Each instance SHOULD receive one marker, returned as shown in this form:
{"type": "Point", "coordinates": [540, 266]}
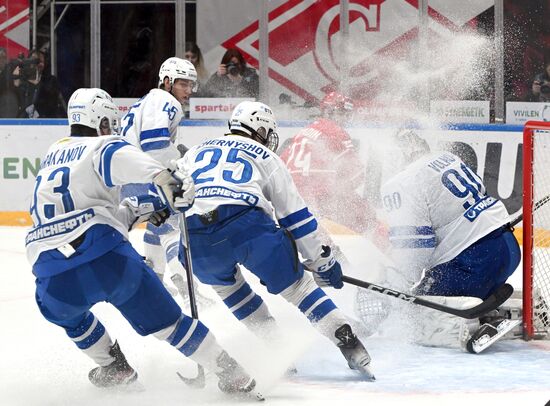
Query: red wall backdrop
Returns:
{"type": "Point", "coordinates": [14, 26]}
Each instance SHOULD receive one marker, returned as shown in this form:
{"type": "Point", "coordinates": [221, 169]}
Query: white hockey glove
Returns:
{"type": "Point", "coordinates": [176, 188]}
{"type": "Point", "coordinates": [147, 208]}
{"type": "Point", "coordinates": [326, 269]}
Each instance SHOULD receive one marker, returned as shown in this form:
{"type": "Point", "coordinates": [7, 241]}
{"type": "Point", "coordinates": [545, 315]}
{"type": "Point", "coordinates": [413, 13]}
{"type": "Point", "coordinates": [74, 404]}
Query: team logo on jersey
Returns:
{"type": "Point", "coordinates": [473, 212]}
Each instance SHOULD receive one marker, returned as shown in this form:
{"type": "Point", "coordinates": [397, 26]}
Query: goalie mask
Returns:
{"type": "Point", "coordinates": [257, 121]}
{"type": "Point", "coordinates": [410, 144]}
{"type": "Point", "coordinates": [94, 108]}
{"type": "Point", "coordinates": [177, 68]}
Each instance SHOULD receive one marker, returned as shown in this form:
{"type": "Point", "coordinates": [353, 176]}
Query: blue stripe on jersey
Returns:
{"type": "Point", "coordinates": [105, 160]}
{"type": "Point", "coordinates": [151, 238]}
{"type": "Point", "coordinates": [321, 310]}
{"type": "Point", "coordinates": [304, 230]}
{"type": "Point", "coordinates": [172, 251]}
{"type": "Point", "coordinates": [237, 296]}
{"type": "Point", "coordinates": [414, 243]}
{"type": "Point", "coordinates": [193, 341]}
{"type": "Point", "coordinates": [411, 230]}
{"type": "Point", "coordinates": [248, 308]}
{"type": "Point", "coordinates": [82, 327]}
{"type": "Point", "coordinates": [82, 337]}
{"type": "Point", "coordinates": [310, 299]}
{"type": "Point", "coordinates": [157, 138]}
{"type": "Point", "coordinates": [154, 133]}
{"type": "Point", "coordinates": [161, 230]}
{"type": "Point", "coordinates": [93, 338]}
{"type": "Point", "coordinates": [295, 218]}
{"type": "Point", "coordinates": [150, 146]}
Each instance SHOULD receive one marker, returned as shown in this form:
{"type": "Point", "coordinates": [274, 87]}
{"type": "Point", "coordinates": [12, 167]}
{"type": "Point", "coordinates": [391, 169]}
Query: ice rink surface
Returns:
{"type": "Point", "coordinates": [41, 366]}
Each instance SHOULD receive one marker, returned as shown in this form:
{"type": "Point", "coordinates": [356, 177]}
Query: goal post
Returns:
{"type": "Point", "coordinates": [536, 229]}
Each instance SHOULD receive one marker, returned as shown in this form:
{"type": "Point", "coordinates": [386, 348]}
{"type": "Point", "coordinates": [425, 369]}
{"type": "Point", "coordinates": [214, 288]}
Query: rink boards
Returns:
{"type": "Point", "coordinates": [493, 151]}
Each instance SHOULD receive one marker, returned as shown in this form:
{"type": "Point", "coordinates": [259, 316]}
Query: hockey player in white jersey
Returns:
{"type": "Point", "coordinates": [151, 124]}
{"type": "Point", "coordinates": [450, 237]}
{"type": "Point", "coordinates": [241, 186]}
{"type": "Point", "coordinates": [80, 253]}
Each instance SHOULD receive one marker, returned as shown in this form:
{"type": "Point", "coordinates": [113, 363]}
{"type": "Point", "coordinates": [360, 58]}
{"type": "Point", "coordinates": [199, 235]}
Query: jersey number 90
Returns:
{"type": "Point", "coordinates": [464, 184]}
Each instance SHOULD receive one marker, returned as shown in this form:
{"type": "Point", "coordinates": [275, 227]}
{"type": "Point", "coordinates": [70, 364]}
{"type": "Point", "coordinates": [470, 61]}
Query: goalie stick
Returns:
{"type": "Point", "coordinates": [199, 381]}
{"type": "Point", "coordinates": [491, 303]}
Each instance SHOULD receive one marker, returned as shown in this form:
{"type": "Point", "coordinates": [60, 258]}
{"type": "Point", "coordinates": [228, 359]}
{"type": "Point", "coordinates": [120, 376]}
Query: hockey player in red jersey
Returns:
{"type": "Point", "coordinates": [327, 170]}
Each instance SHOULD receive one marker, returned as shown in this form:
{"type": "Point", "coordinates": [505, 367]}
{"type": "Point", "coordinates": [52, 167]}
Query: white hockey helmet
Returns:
{"type": "Point", "coordinates": [256, 120]}
{"type": "Point", "coordinates": [176, 68]}
{"type": "Point", "coordinates": [94, 108]}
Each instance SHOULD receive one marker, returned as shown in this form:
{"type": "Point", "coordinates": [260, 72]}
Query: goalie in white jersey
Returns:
{"type": "Point", "coordinates": [241, 186]}
{"type": "Point", "coordinates": [447, 233]}
{"type": "Point", "coordinates": [80, 252]}
{"type": "Point", "coordinates": [151, 124]}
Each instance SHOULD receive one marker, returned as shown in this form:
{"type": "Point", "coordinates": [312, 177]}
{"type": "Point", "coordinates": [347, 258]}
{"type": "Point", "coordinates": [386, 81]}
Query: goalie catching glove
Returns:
{"type": "Point", "coordinates": [176, 189]}
{"type": "Point", "coordinates": [147, 208]}
{"type": "Point", "coordinates": [326, 269]}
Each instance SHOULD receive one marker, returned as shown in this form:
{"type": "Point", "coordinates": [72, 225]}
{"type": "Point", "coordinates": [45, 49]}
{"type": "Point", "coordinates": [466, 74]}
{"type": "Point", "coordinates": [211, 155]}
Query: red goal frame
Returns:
{"type": "Point", "coordinates": [528, 159]}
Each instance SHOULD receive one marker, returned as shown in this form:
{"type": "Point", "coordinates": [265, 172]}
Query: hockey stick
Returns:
{"type": "Point", "coordinates": [199, 381]}
{"type": "Point", "coordinates": [491, 303]}
{"type": "Point", "coordinates": [537, 205]}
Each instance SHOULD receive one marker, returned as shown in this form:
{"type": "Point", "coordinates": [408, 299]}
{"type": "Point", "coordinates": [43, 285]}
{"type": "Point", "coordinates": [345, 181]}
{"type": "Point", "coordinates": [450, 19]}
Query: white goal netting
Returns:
{"type": "Point", "coordinates": [540, 232]}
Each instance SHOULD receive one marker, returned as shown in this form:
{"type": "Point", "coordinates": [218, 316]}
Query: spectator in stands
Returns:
{"type": "Point", "coordinates": [9, 104]}
{"type": "Point", "coordinates": [194, 55]}
{"type": "Point", "coordinates": [540, 89]}
{"type": "Point", "coordinates": [3, 68]}
{"type": "Point", "coordinates": [233, 78]}
{"type": "Point", "coordinates": [38, 90]}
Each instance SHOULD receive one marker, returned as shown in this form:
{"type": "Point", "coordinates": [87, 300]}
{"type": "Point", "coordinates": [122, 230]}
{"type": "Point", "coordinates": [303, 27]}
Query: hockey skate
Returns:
{"type": "Point", "coordinates": [353, 350]}
{"type": "Point", "coordinates": [181, 285]}
{"type": "Point", "coordinates": [233, 379]}
{"type": "Point", "coordinates": [489, 333]}
{"type": "Point", "coordinates": [118, 372]}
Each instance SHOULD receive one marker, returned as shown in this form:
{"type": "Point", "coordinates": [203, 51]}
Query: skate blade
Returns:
{"type": "Point", "coordinates": [257, 395]}
{"type": "Point", "coordinates": [366, 374]}
{"type": "Point", "coordinates": [199, 382]}
{"type": "Point", "coordinates": [480, 346]}
{"type": "Point", "coordinates": [252, 394]}
{"type": "Point", "coordinates": [249, 391]}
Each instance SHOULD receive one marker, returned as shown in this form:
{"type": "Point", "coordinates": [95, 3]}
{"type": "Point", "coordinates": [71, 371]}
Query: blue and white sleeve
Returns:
{"type": "Point", "coordinates": [293, 214]}
{"type": "Point", "coordinates": [119, 163]}
{"type": "Point", "coordinates": [411, 232]}
{"type": "Point", "coordinates": [160, 121]}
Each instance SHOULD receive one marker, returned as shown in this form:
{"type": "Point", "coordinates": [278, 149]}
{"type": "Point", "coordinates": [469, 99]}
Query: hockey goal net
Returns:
{"type": "Point", "coordinates": [536, 229]}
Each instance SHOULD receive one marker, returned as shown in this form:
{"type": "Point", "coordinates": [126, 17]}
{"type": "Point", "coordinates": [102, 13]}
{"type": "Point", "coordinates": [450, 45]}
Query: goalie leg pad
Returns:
{"type": "Point", "coordinates": [433, 328]}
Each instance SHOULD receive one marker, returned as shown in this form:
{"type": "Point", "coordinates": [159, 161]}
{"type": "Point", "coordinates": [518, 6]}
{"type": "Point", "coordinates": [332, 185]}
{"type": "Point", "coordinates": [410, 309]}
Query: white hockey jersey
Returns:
{"type": "Point", "coordinates": [235, 170]}
{"type": "Point", "coordinates": [78, 185]}
{"type": "Point", "coordinates": [152, 123]}
{"type": "Point", "coordinates": [435, 209]}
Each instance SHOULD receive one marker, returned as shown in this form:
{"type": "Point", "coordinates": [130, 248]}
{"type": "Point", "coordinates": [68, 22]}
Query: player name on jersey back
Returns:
{"type": "Point", "coordinates": [247, 147]}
